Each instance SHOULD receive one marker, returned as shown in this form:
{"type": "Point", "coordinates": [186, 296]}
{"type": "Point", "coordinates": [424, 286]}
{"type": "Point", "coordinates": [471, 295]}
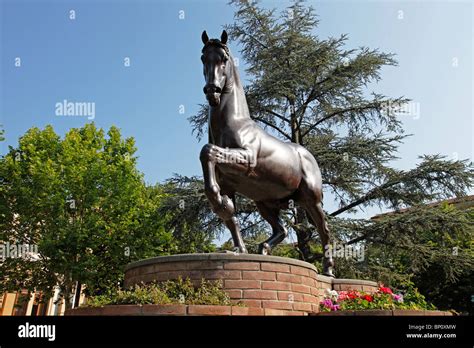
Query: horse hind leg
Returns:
{"type": "Point", "coordinates": [317, 217]}
{"type": "Point", "coordinates": [272, 215]}
{"type": "Point", "coordinates": [310, 197]}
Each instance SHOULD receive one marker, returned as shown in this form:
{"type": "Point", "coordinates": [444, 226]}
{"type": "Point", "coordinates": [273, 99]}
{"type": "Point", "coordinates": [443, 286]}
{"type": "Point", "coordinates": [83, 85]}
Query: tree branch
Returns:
{"type": "Point", "coordinates": [336, 113]}
{"type": "Point", "coordinates": [367, 197]}
{"type": "Point", "coordinates": [272, 126]}
{"type": "Point", "coordinates": [276, 115]}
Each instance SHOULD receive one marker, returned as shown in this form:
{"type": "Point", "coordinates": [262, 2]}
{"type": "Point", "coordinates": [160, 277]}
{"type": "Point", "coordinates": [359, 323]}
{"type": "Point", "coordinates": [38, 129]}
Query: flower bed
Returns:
{"type": "Point", "coordinates": [383, 299]}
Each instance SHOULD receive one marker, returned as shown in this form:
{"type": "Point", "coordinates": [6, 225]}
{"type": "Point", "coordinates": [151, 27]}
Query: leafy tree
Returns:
{"type": "Point", "coordinates": [187, 214]}
{"type": "Point", "coordinates": [82, 201]}
{"type": "Point", "coordinates": [317, 93]}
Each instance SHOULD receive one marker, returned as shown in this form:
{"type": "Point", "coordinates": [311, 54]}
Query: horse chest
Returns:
{"type": "Point", "coordinates": [225, 136]}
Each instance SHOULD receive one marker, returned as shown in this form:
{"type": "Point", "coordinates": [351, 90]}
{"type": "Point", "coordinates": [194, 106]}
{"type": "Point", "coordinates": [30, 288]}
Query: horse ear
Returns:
{"type": "Point", "coordinates": [224, 37]}
{"type": "Point", "coordinates": [204, 37]}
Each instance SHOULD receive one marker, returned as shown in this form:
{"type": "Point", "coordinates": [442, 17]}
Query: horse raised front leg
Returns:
{"type": "Point", "coordinates": [238, 159]}
{"type": "Point", "coordinates": [208, 161]}
{"type": "Point", "coordinates": [222, 205]}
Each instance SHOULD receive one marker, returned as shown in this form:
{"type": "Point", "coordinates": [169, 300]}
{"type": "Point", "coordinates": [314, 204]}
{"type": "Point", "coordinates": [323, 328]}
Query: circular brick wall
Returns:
{"type": "Point", "coordinates": [278, 285]}
{"type": "Point", "coordinates": [173, 310]}
{"type": "Point", "coordinates": [354, 284]}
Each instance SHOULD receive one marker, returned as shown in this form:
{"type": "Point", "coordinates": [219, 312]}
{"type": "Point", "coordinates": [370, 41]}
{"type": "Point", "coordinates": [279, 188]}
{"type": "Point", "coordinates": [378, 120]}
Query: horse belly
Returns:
{"type": "Point", "coordinates": [262, 183]}
{"type": "Point", "coordinates": [257, 190]}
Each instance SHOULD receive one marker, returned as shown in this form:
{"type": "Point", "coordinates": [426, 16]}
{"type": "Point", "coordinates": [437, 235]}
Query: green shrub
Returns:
{"type": "Point", "coordinates": [170, 292]}
{"type": "Point", "coordinates": [211, 294]}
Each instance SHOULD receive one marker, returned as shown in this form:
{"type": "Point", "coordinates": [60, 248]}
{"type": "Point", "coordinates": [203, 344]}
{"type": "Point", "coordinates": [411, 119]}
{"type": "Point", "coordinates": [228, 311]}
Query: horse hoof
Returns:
{"type": "Point", "coordinates": [264, 249]}
{"type": "Point", "coordinates": [329, 274]}
{"type": "Point", "coordinates": [240, 250]}
{"type": "Point", "coordinates": [328, 265]}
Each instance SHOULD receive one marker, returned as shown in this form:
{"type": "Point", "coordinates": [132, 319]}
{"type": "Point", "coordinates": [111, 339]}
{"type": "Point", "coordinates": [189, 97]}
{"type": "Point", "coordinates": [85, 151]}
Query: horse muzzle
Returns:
{"type": "Point", "coordinates": [213, 94]}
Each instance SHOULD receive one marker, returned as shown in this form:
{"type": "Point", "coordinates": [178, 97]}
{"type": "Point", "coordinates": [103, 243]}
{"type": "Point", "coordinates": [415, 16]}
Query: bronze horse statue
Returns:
{"type": "Point", "coordinates": [241, 157]}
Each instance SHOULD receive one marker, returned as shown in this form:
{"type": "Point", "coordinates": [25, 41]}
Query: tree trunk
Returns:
{"type": "Point", "coordinates": [295, 131]}
{"type": "Point", "coordinates": [303, 235]}
{"type": "Point", "coordinates": [67, 296]}
{"type": "Point", "coordinates": [77, 295]}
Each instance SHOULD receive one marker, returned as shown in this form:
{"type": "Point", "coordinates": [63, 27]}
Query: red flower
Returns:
{"type": "Point", "coordinates": [368, 298]}
{"type": "Point", "coordinates": [352, 294]}
{"type": "Point", "coordinates": [385, 290]}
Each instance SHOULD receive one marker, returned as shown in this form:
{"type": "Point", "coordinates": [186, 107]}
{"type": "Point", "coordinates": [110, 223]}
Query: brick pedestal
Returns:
{"type": "Point", "coordinates": [277, 285]}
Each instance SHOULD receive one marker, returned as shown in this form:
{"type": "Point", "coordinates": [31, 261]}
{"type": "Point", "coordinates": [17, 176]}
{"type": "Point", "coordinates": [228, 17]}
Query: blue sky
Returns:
{"type": "Point", "coordinates": [82, 60]}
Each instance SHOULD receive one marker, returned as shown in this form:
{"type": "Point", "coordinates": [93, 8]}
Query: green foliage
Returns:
{"type": "Point", "coordinates": [192, 221]}
{"type": "Point", "coordinates": [252, 242]}
{"type": "Point", "coordinates": [189, 216]}
{"type": "Point", "coordinates": [82, 201]}
{"type": "Point", "coordinates": [413, 299]}
{"type": "Point", "coordinates": [285, 250]}
{"type": "Point", "coordinates": [170, 292]}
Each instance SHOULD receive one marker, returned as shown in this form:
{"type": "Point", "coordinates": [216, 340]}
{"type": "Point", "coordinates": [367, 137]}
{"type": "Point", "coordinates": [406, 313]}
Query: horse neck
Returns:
{"type": "Point", "coordinates": [233, 104]}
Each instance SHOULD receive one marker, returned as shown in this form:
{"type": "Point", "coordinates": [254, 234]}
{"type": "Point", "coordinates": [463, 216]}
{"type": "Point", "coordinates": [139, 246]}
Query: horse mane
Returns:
{"type": "Point", "coordinates": [216, 43]}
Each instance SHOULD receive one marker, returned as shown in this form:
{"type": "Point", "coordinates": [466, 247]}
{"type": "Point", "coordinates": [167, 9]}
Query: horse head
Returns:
{"type": "Point", "coordinates": [216, 67]}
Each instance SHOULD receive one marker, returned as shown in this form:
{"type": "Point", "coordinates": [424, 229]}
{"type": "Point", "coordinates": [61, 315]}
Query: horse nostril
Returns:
{"type": "Point", "coordinates": [212, 89]}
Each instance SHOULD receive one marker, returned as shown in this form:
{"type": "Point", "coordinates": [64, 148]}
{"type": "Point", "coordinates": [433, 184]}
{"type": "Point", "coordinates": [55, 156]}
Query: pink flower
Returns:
{"type": "Point", "coordinates": [342, 296]}
{"type": "Point", "coordinates": [397, 297]}
{"type": "Point", "coordinates": [327, 303]}
{"type": "Point", "coordinates": [330, 305]}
